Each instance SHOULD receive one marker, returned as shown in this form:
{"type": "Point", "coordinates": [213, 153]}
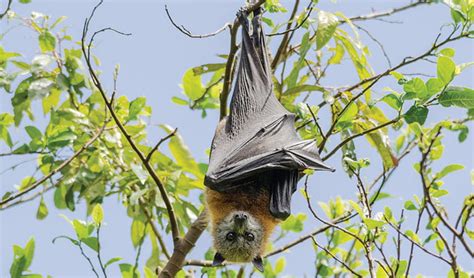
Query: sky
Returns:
{"type": "Point", "coordinates": [152, 63]}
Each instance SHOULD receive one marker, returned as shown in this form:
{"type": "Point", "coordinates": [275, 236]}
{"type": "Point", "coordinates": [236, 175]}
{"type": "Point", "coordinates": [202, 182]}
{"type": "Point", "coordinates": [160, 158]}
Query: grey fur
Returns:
{"type": "Point", "coordinates": [240, 249]}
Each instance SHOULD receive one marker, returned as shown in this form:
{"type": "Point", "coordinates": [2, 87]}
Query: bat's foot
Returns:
{"type": "Point", "coordinates": [242, 12]}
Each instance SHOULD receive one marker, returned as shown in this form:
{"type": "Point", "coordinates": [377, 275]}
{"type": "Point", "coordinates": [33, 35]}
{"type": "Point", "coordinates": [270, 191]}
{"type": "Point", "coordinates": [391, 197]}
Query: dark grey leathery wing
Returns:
{"type": "Point", "coordinates": [257, 143]}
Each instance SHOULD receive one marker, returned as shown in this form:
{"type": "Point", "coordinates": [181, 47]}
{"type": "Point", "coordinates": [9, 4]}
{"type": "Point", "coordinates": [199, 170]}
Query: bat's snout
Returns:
{"type": "Point", "coordinates": [240, 218]}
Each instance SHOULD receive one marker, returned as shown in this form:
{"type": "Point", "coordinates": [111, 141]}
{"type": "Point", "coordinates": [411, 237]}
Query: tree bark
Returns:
{"type": "Point", "coordinates": [184, 246]}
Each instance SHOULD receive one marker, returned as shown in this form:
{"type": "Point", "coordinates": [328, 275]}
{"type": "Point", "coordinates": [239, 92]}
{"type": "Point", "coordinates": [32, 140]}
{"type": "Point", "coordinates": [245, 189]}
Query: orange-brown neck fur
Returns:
{"type": "Point", "coordinates": [252, 200]}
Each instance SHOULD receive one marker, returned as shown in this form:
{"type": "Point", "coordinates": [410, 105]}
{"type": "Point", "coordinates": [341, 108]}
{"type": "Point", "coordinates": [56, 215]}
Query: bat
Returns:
{"type": "Point", "coordinates": [256, 158]}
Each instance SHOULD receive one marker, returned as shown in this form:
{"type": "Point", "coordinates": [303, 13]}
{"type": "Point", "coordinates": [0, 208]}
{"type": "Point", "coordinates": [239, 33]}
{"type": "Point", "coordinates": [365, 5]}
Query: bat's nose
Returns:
{"type": "Point", "coordinates": [240, 217]}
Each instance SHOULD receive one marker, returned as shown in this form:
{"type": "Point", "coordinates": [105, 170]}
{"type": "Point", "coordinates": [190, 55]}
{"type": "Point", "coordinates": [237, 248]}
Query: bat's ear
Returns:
{"type": "Point", "coordinates": [218, 259]}
{"type": "Point", "coordinates": [258, 263]}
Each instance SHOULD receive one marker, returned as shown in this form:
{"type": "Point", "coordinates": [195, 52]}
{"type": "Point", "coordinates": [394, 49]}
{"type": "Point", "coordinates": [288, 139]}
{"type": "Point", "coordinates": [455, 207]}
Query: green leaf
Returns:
{"type": "Point", "coordinates": [137, 232]}
{"type": "Point", "coordinates": [127, 271]}
{"type": "Point", "coordinates": [179, 101]}
{"type": "Point", "coordinates": [29, 252]}
{"type": "Point", "coordinates": [97, 214]}
{"type": "Point", "coordinates": [415, 89]}
{"type": "Point", "coordinates": [69, 198]}
{"type": "Point", "coordinates": [136, 106]}
{"type": "Point", "coordinates": [17, 267]}
{"type": "Point", "coordinates": [349, 114]}
{"type": "Point", "coordinates": [446, 69]}
{"type": "Point", "coordinates": [303, 88]}
{"type": "Point", "coordinates": [42, 211]}
{"type": "Point", "coordinates": [62, 139]}
{"type": "Point", "coordinates": [327, 24]}
{"type": "Point", "coordinates": [373, 224]}
{"type": "Point", "coordinates": [280, 265]}
{"type": "Point", "coordinates": [73, 241]}
{"type": "Point", "coordinates": [413, 236]}
{"type": "Point", "coordinates": [92, 242]}
{"type": "Point", "coordinates": [51, 100]}
{"type": "Point", "coordinates": [449, 52]}
{"type": "Point", "coordinates": [192, 85]}
{"type": "Point", "coordinates": [81, 229]}
{"type": "Point", "coordinates": [182, 154]}
{"type": "Point", "coordinates": [438, 193]}
{"type": "Point", "coordinates": [22, 149]}
{"type": "Point", "coordinates": [338, 54]}
{"type": "Point", "coordinates": [33, 132]}
{"type": "Point", "coordinates": [294, 223]}
{"type": "Point", "coordinates": [292, 78]}
{"type": "Point", "coordinates": [47, 41]}
{"type": "Point", "coordinates": [141, 173]}
{"type": "Point", "coordinates": [402, 266]}
{"type": "Point", "coordinates": [111, 261]}
{"type": "Point", "coordinates": [388, 213]}
{"type": "Point", "coordinates": [439, 246]}
{"type": "Point", "coordinates": [393, 101]}
{"type": "Point", "coordinates": [416, 114]}
{"type": "Point", "coordinates": [208, 68]}
{"type": "Point", "coordinates": [434, 86]}
{"type": "Point", "coordinates": [409, 205]}
{"type": "Point", "coordinates": [60, 197]}
{"type": "Point", "coordinates": [457, 96]}
{"type": "Point", "coordinates": [59, 20]}
{"type": "Point", "coordinates": [449, 169]}
{"type": "Point", "coordinates": [357, 208]}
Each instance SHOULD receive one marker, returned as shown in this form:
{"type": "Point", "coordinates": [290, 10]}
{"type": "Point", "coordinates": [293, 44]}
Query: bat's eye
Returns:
{"type": "Point", "coordinates": [249, 236]}
{"type": "Point", "coordinates": [230, 236]}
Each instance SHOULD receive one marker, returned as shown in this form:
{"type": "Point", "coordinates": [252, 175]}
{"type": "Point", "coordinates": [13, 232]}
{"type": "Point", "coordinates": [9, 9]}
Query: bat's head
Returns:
{"type": "Point", "coordinates": [239, 237]}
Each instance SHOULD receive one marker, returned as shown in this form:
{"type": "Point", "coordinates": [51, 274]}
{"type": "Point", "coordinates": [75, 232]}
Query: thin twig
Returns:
{"type": "Point", "coordinates": [164, 139]}
{"type": "Point", "coordinates": [99, 258]}
{"type": "Point", "coordinates": [185, 31]}
{"type": "Point", "coordinates": [206, 91]}
{"type": "Point", "coordinates": [88, 259]}
{"type": "Point", "coordinates": [382, 48]}
{"type": "Point", "coordinates": [315, 121]}
{"type": "Point", "coordinates": [417, 244]}
{"type": "Point", "coordinates": [286, 37]}
{"type": "Point", "coordinates": [7, 9]}
{"type": "Point", "coordinates": [296, 27]}
{"type": "Point", "coordinates": [164, 249]}
{"type": "Point", "coordinates": [376, 15]}
{"type": "Point", "coordinates": [335, 258]}
{"type": "Point", "coordinates": [350, 138]}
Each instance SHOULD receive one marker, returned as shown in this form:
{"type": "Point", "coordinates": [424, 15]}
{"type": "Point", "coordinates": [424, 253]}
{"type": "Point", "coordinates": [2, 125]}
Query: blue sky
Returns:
{"type": "Point", "coordinates": [153, 61]}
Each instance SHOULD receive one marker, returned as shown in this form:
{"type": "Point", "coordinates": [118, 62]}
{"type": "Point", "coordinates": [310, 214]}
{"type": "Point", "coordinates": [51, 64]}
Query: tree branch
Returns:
{"type": "Point", "coordinates": [7, 9]}
{"type": "Point", "coordinates": [374, 79]}
{"type": "Point", "coordinates": [376, 15]}
{"type": "Point", "coordinates": [228, 73]}
{"type": "Point", "coordinates": [416, 243]}
{"type": "Point", "coordinates": [185, 245]}
{"type": "Point", "coordinates": [336, 258]}
{"type": "Point", "coordinates": [286, 38]}
{"type": "Point", "coordinates": [350, 138]}
{"type": "Point", "coordinates": [185, 31]}
{"type": "Point", "coordinates": [109, 105]}
{"type": "Point", "coordinates": [310, 9]}
{"type": "Point", "coordinates": [155, 148]}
